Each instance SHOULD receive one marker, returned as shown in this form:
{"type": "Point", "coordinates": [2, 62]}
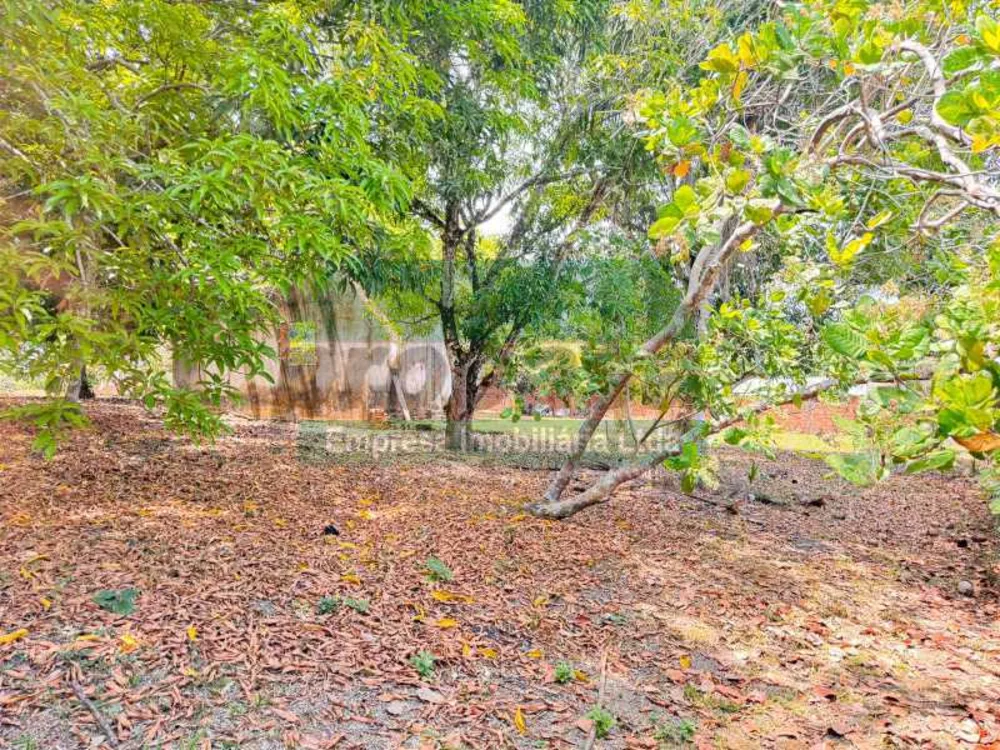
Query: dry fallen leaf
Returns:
{"type": "Point", "coordinates": [14, 636]}
{"type": "Point", "coordinates": [446, 622]}
{"type": "Point", "coordinates": [449, 597]}
{"type": "Point", "coordinates": [519, 723]}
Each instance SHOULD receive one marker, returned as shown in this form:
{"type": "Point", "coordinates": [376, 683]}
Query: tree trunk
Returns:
{"type": "Point", "coordinates": [461, 403]}
{"type": "Point", "coordinates": [704, 273]}
{"type": "Point", "coordinates": [78, 387]}
{"type": "Point", "coordinates": [601, 490]}
{"type": "Point", "coordinates": [458, 433]}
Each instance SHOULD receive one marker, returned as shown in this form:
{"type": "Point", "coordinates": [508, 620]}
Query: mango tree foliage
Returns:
{"type": "Point", "coordinates": [862, 140]}
{"type": "Point", "coordinates": [534, 149]}
{"type": "Point", "coordinates": [504, 76]}
{"type": "Point", "coordinates": [171, 168]}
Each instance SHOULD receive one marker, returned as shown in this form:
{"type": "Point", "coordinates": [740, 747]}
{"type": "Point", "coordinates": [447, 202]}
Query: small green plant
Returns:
{"type": "Point", "coordinates": [423, 662]}
{"type": "Point", "coordinates": [437, 571]}
{"type": "Point", "coordinates": [603, 720]}
{"type": "Point", "coordinates": [358, 605]}
{"type": "Point", "coordinates": [564, 672]}
{"type": "Point", "coordinates": [327, 605]}
{"type": "Point", "coordinates": [24, 742]}
{"type": "Point", "coordinates": [121, 601]}
{"type": "Point", "coordinates": [675, 732]}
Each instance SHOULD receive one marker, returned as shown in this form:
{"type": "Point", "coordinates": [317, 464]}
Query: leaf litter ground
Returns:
{"type": "Point", "coordinates": [823, 616]}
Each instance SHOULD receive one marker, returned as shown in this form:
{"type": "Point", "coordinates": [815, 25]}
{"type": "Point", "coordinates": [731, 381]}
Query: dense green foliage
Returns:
{"type": "Point", "coordinates": [863, 140]}
{"type": "Point", "coordinates": [170, 167]}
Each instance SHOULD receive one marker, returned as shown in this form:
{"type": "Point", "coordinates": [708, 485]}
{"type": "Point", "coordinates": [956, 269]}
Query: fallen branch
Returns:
{"type": "Point", "coordinates": [98, 717]}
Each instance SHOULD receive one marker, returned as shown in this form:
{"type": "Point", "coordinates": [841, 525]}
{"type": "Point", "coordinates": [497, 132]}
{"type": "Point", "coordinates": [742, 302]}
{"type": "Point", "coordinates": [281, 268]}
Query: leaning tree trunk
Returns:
{"type": "Point", "coordinates": [705, 271]}
{"type": "Point", "coordinates": [600, 491]}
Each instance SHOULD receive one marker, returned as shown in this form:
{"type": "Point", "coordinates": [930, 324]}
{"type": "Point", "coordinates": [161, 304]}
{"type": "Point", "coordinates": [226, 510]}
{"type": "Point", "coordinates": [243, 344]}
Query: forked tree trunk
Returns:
{"type": "Point", "coordinates": [705, 272]}
{"type": "Point", "coordinates": [601, 490]}
{"type": "Point", "coordinates": [461, 404]}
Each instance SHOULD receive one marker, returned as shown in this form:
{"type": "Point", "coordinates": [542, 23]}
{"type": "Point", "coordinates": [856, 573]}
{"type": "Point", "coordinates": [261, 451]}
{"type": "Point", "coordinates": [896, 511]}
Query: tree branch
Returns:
{"type": "Point", "coordinates": [165, 88]}
{"type": "Point", "coordinates": [536, 181]}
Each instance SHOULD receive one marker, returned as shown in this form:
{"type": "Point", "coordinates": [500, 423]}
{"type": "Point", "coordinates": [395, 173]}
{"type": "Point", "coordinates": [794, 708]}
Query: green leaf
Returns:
{"type": "Point", "coordinates": [685, 198]}
{"type": "Point", "coordinates": [722, 59]}
{"type": "Point", "coordinates": [844, 340]}
{"type": "Point", "coordinates": [437, 570]}
{"type": "Point", "coordinates": [858, 468]}
{"type": "Point", "coordinates": [955, 108]}
{"type": "Point", "coordinates": [961, 59]}
{"type": "Point", "coordinates": [734, 435]}
{"type": "Point", "coordinates": [936, 461]}
{"type": "Point", "coordinates": [120, 601]}
{"type": "Point", "coordinates": [989, 32]}
{"type": "Point", "coordinates": [737, 180]}
{"type": "Point", "coordinates": [758, 212]}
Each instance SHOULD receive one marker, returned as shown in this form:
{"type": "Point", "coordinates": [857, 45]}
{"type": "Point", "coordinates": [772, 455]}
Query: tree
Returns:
{"type": "Point", "coordinates": [169, 168]}
{"type": "Point", "coordinates": [507, 142]}
{"type": "Point", "coordinates": [533, 96]}
{"type": "Point", "coordinates": [860, 138]}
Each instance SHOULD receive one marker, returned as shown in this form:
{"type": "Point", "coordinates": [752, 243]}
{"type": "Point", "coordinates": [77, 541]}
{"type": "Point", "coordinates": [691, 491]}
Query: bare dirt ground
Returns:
{"type": "Point", "coordinates": [826, 616]}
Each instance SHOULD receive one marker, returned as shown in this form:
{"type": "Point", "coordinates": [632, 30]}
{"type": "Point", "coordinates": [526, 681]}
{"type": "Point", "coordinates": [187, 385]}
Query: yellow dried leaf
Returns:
{"type": "Point", "coordinates": [466, 650]}
{"type": "Point", "coordinates": [517, 518]}
{"type": "Point", "coordinates": [129, 643]}
{"type": "Point", "coordinates": [280, 523]}
{"type": "Point", "coordinates": [14, 636]}
{"type": "Point", "coordinates": [540, 600]}
{"type": "Point", "coordinates": [46, 603]}
{"type": "Point", "coordinates": [681, 169]}
{"type": "Point", "coordinates": [192, 633]}
{"type": "Point", "coordinates": [350, 578]}
{"type": "Point", "coordinates": [685, 661]}
{"type": "Point", "coordinates": [535, 653]}
{"type": "Point", "coordinates": [489, 653]}
{"type": "Point", "coordinates": [366, 515]}
{"type": "Point", "coordinates": [519, 723]}
{"type": "Point", "coordinates": [580, 676]}
{"type": "Point", "coordinates": [446, 622]}
{"type": "Point", "coordinates": [449, 597]}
